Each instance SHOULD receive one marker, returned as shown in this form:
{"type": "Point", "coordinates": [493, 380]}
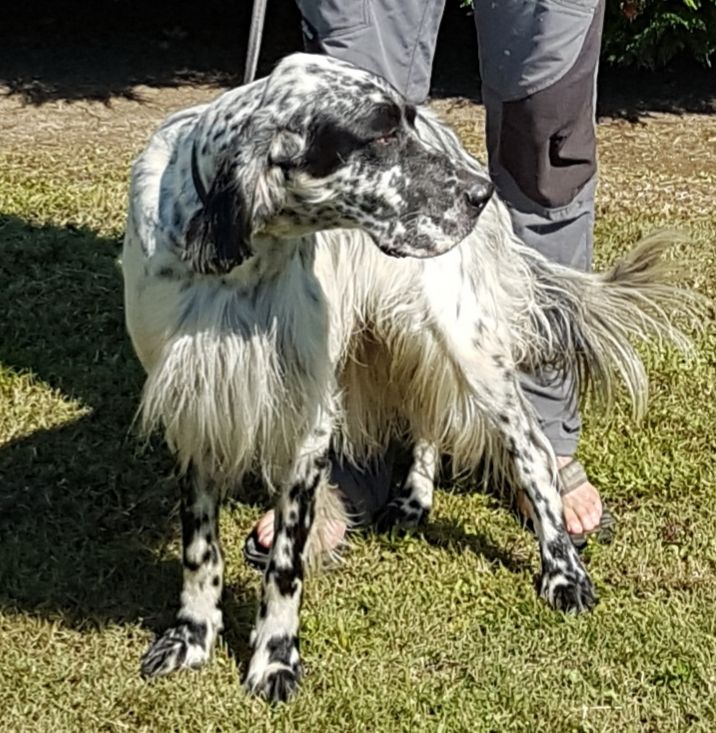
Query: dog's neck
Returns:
{"type": "Point", "coordinates": [273, 257]}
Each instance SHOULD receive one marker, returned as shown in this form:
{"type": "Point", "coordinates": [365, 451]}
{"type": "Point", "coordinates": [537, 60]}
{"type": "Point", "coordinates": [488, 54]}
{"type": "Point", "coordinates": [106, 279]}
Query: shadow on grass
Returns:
{"type": "Point", "coordinates": [452, 536]}
{"type": "Point", "coordinates": [81, 512]}
{"type": "Point", "coordinates": [50, 56]}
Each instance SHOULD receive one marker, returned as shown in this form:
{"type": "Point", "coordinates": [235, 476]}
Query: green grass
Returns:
{"type": "Point", "coordinates": [440, 631]}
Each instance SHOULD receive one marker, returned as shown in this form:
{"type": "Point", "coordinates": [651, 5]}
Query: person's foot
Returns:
{"type": "Point", "coordinates": [334, 532]}
{"type": "Point", "coordinates": [582, 505]}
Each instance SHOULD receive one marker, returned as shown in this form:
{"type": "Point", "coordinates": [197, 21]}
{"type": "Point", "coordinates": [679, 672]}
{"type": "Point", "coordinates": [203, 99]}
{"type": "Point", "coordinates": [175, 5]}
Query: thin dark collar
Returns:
{"type": "Point", "coordinates": [195, 177]}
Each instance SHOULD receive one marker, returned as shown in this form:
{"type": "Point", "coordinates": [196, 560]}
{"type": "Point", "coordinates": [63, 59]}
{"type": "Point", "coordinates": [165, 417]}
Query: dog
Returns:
{"type": "Point", "coordinates": [311, 264]}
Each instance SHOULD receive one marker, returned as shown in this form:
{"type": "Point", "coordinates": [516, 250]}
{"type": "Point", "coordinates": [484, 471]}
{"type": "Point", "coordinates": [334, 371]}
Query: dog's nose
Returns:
{"type": "Point", "coordinates": [479, 194]}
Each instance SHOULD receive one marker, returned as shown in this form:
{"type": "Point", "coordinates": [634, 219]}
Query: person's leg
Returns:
{"type": "Point", "coordinates": [538, 62]}
{"type": "Point", "coordinates": [393, 39]}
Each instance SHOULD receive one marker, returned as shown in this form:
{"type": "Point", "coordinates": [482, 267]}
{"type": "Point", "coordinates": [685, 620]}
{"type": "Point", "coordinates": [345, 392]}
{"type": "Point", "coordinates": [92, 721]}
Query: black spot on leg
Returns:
{"type": "Point", "coordinates": [558, 549]}
{"type": "Point", "coordinates": [280, 647]}
{"type": "Point", "coordinates": [549, 515]}
{"type": "Point", "coordinates": [196, 631]}
{"type": "Point", "coordinates": [190, 564]}
{"type": "Point", "coordinates": [539, 497]}
{"type": "Point", "coordinates": [216, 581]}
{"type": "Point", "coordinates": [188, 529]}
{"type": "Point", "coordinates": [208, 537]}
{"type": "Point", "coordinates": [206, 557]}
{"type": "Point", "coordinates": [287, 580]}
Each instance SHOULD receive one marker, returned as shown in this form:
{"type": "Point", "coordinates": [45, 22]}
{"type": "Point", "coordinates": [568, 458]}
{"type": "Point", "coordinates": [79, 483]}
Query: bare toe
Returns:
{"type": "Point", "coordinates": [264, 529]}
{"type": "Point", "coordinates": [582, 504]}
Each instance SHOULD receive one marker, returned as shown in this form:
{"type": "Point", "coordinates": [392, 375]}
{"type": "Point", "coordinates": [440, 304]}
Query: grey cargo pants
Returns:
{"type": "Point", "coordinates": [538, 62]}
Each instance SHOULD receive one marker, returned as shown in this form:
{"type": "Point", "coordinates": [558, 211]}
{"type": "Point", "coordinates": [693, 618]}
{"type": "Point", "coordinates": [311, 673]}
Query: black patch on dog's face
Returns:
{"type": "Point", "coordinates": [382, 120]}
{"type": "Point", "coordinates": [329, 145]}
{"type": "Point", "coordinates": [365, 166]}
{"type": "Point", "coordinates": [331, 142]}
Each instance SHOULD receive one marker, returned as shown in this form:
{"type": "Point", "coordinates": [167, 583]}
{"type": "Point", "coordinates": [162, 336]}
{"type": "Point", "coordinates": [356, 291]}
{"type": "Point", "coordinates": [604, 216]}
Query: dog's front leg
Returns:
{"type": "Point", "coordinates": [189, 642]}
{"type": "Point", "coordinates": [275, 668]}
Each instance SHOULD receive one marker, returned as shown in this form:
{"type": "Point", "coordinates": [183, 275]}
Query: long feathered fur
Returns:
{"type": "Point", "coordinates": [590, 323]}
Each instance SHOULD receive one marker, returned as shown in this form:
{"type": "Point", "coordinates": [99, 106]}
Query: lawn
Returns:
{"type": "Point", "coordinates": [438, 631]}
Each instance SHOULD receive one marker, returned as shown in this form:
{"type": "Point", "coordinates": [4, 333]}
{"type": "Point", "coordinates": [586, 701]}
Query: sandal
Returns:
{"type": "Point", "coordinates": [255, 554]}
{"type": "Point", "coordinates": [571, 477]}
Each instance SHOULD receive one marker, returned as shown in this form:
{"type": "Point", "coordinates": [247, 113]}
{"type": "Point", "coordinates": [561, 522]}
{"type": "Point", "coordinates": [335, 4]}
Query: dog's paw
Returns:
{"type": "Point", "coordinates": [275, 669]}
{"type": "Point", "coordinates": [276, 684]}
{"type": "Point", "coordinates": [182, 646]}
{"type": "Point", "coordinates": [568, 590]}
{"type": "Point", "coordinates": [403, 512]}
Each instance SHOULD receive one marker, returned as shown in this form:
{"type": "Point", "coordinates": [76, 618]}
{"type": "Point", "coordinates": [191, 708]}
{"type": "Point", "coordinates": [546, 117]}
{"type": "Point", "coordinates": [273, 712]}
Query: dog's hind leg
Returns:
{"type": "Point", "coordinates": [411, 506]}
{"type": "Point", "coordinates": [189, 642]}
{"type": "Point", "coordinates": [275, 668]}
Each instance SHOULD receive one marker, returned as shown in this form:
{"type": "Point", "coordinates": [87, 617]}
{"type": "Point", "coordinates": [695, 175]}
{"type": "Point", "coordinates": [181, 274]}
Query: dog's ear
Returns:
{"type": "Point", "coordinates": [219, 235]}
{"type": "Point", "coordinates": [244, 196]}
{"type": "Point", "coordinates": [269, 173]}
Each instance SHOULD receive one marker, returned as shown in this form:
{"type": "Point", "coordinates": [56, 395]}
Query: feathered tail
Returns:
{"type": "Point", "coordinates": [588, 323]}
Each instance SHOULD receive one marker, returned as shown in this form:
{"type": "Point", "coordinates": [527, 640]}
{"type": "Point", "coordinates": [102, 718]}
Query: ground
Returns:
{"type": "Point", "coordinates": [438, 631]}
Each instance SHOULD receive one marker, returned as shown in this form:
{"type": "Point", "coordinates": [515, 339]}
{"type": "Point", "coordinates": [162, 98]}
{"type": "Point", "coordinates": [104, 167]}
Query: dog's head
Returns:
{"type": "Point", "coordinates": [325, 145]}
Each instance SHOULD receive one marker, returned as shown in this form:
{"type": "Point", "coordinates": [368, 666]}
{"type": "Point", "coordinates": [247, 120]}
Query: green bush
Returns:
{"type": "Point", "coordinates": [653, 33]}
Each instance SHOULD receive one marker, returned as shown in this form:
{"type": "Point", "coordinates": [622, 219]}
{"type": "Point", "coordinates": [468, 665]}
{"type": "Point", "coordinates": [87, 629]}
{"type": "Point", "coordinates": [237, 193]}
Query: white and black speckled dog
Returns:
{"type": "Point", "coordinates": [280, 296]}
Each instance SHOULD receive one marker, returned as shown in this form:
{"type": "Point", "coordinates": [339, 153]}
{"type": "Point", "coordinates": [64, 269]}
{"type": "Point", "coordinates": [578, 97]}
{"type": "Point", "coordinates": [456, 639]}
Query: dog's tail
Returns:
{"type": "Point", "coordinates": [588, 323]}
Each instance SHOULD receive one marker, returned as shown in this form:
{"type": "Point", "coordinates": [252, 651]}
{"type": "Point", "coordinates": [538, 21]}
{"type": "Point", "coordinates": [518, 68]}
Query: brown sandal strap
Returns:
{"type": "Point", "coordinates": [571, 477]}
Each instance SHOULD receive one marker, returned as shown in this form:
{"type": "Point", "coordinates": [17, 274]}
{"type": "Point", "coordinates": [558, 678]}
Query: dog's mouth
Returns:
{"type": "Point", "coordinates": [423, 248]}
{"type": "Point", "coordinates": [428, 237]}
